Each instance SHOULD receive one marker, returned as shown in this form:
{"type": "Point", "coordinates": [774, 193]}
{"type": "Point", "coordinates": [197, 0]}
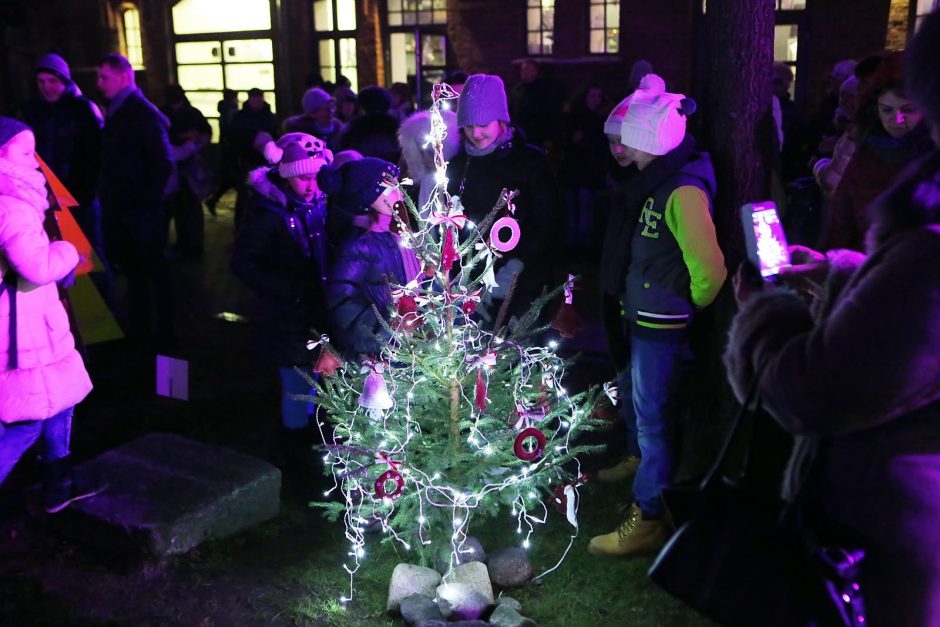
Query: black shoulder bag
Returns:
{"type": "Point", "coordinates": [741, 558]}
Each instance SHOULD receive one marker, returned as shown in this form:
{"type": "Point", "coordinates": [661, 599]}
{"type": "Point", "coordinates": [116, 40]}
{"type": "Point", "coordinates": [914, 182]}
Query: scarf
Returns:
{"type": "Point", "coordinates": [503, 138]}
{"type": "Point", "coordinates": [24, 184]}
{"type": "Point", "coordinates": [625, 211]}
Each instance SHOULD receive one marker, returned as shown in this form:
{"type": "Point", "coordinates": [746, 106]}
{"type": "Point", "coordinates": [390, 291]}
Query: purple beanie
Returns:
{"type": "Point", "coordinates": [355, 186]}
{"type": "Point", "coordinates": [54, 64]}
{"type": "Point", "coordinates": [10, 128]}
{"type": "Point", "coordinates": [482, 100]}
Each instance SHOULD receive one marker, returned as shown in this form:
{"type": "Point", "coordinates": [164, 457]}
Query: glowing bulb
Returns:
{"type": "Point", "coordinates": [360, 552]}
{"type": "Point", "coordinates": [488, 450]}
{"type": "Point", "coordinates": [471, 225]}
{"type": "Point", "coordinates": [421, 520]}
{"type": "Point", "coordinates": [525, 544]}
{"type": "Point", "coordinates": [532, 495]}
{"type": "Point", "coordinates": [553, 344]}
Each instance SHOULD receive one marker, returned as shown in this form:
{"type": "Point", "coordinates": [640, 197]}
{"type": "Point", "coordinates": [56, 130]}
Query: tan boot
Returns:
{"type": "Point", "coordinates": [623, 470]}
{"type": "Point", "coordinates": [634, 536]}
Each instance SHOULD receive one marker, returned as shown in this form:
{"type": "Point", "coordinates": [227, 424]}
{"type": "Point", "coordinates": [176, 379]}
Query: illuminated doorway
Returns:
{"type": "Point", "coordinates": [217, 48]}
{"type": "Point", "coordinates": [417, 44]}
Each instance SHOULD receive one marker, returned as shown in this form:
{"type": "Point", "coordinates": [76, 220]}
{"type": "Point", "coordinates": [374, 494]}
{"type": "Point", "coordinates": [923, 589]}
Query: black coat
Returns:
{"type": "Point", "coordinates": [246, 125]}
{"type": "Point", "coordinates": [373, 135]}
{"type": "Point", "coordinates": [281, 253]}
{"type": "Point", "coordinates": [515, 165]}
{"type": "Point", "coordinates": [366, 265]}
{"type": "Point", "coordinates": [135, 164]}
{"type": "Point", "coordinates": [68, 138]}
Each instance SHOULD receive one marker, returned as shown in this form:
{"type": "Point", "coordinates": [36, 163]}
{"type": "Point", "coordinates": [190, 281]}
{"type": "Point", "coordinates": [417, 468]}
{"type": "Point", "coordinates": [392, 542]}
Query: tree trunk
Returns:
{"type": "Point", "coordinates": [735, 58]}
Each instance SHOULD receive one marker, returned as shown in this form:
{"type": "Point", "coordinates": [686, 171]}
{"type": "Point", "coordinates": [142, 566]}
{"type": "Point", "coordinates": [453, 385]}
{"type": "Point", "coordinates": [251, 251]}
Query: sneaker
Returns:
{"type": "Point", "coordinates": [57, 498]}
{"type": "Point", "coordinates": [623, 470]}
{"type": "Point", "coordinates": [634, 536]}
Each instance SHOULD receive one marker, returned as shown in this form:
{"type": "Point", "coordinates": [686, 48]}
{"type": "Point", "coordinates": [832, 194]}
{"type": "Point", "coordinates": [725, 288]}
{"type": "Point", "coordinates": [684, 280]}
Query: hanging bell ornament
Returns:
{"type": "Point", "coordinates": [567, 321]}
{"type": "Point", "coordinates": [374, 395]}
{"type": "Point", "coordinates": [327, 362]}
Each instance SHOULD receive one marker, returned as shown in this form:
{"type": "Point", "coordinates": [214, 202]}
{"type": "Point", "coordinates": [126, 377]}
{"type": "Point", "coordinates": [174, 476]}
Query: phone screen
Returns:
{"type": "Point", "coordinates": [770, 241]}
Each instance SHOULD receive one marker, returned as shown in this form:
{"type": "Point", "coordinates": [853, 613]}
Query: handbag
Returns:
{"type": "Point", "coordinates": [743, 558]}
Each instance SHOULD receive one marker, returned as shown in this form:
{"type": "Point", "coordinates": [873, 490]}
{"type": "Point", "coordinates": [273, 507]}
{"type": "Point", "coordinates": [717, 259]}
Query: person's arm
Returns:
{"type": "Point", "coordinates": [24, 245]}
{"type": "Point", "coordinates": [353, 319]}
{"type": "Point", "coordinates": [873, 358]}
{"type": "Point", "coordinates": [688, 218]}
{"type": "Point", "coordinates": [154, 151]}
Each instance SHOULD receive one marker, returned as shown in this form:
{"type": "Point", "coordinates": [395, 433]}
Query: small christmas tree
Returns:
{"type": "Point", "coordinates": [451, 422]}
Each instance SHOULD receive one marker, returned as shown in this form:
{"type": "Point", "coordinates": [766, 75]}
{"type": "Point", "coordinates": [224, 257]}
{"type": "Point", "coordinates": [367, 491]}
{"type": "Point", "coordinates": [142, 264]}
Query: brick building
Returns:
{"type": "Point", "coordinates": [206, 45]}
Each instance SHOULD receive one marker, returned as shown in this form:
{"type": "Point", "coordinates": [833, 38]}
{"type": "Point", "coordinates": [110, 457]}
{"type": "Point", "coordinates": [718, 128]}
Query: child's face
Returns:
{"type": "Point", "coordinates": [385, 203]}
{"type": "Point", "coordinates": [618, 151]}
{"type": "Point", "coordinates": [21, 150]}
{"type": "Point", "coordinates": [304, 186]}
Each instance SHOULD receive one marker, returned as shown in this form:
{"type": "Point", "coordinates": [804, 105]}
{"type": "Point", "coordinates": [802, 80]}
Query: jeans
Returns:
{"type": "Point", "coordinates": [17, 437]}
{"type": "Point", "coordinates": [626, 411]}
{"type": "Point", "coordinates": [295, 413]}
{"type": "Point", "coordinates": [657, 358]}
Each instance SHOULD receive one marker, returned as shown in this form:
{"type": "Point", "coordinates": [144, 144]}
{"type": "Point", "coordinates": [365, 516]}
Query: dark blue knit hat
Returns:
{"type": "Point", "coordinates": [355, 185]}
{"type": "Point", "coordinates": [9, 128]}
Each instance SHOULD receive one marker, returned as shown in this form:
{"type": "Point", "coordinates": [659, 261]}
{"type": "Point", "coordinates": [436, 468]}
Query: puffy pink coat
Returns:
{"type": "Point", "coordinates": [49, 376]}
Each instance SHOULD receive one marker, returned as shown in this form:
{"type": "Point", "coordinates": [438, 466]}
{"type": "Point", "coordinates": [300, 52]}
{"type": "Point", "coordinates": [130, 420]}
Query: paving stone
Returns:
{"type": "Point", "coordinates": [167, 494]}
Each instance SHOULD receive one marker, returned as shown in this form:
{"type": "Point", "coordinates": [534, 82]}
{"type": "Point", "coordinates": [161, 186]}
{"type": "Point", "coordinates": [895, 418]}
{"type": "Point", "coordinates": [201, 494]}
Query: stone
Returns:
{"type": "Point", "coordinates": [417, 609]}
{"type": "Point", "coordinates": [505, 616]}
{"type": "Point", "coordinates": [458, 601]}
{"type": "Point", "coordinates": [510, 567]}
{"type": "Point", "coordinates": [470, 551]}
{"type": "Point", "coordinates": [475, 575]}
{"type": "Point", "coordinates": [409, 579]}
{"type": "Point", "coordinates": [509, 602]}
{"type": "Point", "coordinates": [166, 494]}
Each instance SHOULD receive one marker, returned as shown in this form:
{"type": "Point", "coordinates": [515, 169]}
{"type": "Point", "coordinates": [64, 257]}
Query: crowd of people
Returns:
{"type": "Point", "coordinates": [843, 347]}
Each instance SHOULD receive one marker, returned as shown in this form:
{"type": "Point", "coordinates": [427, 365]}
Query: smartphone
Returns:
{"type": "Point", "coordinates": [766, 241]}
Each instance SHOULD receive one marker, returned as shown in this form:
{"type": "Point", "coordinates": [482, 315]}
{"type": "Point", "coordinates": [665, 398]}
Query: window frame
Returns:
{"type": "Point", "coordinates": [606, 4]}
{"type": "Point", "coordinates": [123, 10]}
{"type": "Point", "coordinates": [528, 30]}
{"type": "Point", "coordinates": [334, 36]}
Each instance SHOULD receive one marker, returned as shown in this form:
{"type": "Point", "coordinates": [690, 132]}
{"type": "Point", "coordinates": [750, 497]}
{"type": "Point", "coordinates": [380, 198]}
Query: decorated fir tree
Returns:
{"type": "Point", "coordinates": [451, 423]}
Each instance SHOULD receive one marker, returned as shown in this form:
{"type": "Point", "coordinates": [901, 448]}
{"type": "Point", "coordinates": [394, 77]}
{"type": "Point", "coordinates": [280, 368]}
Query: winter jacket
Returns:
{"type": "Point", "coordinates": [829, 171]}
{"type": "Point", "coordinates": [857, 379]}
{"type": "Point", "coordinates": [68, 138]}
{"type": "Point", "coordinates": [661, 253]}
{"type": "Point", "coordinates": [366, 265]}
{"type": "Point", "coordinates": [246, 125]}
{"type": "Point", "coordinates": [585, 149]}
{"type": "Point", "coordinates": [306, 124]}
{"type": "Point", "coordinates": [281, 252]}
{"type": "Point", "coordinates": [876, 163]}
{"type": "Point", "coordinates": [135, 163]}
{"type": "Point", "coordinates": [515, 166]}
{"type": "Point", "coordinates": [373, 135]}
{"type": "Point", "coordinates": [46, 375]}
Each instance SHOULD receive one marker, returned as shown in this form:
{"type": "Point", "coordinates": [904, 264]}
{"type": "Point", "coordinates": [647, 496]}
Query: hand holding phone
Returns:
{"type": "Point", "coordinates": [766, 242]}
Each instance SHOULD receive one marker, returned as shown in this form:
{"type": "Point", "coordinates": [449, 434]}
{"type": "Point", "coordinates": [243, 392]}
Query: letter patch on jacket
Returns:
{"type": "Point", "coordinates": [650, 220]}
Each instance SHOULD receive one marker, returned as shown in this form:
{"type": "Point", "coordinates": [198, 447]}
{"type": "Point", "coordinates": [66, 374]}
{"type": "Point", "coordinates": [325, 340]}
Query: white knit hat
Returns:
{"type": "Point", "coordinates": [615, 119]}
{"type": "Point", "coordinates": [655, 119]}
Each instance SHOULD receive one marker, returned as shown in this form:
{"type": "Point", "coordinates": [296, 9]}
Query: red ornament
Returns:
{"type": "Point", "coordinates": [408, 310]}
{"type": "Point", "coordinates": [567, 321]}
{"type": "Point", "coordinates": [480, 400]}
{"type": "Point", "coordinates": [449, 251]}
{"type": "Point", "coordinates": [389, 475]}
{"type": "Point", "coordinates": [560, 499]}
{"type": "Point", "coordinates": [327, 361]}
{"type": "Point", "coordinates": [468, 307]}
{"type": "Point", "coordinates": [519, 447]}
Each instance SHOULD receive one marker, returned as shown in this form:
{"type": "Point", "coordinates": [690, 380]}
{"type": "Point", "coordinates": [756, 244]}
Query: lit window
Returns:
{"type": "Point", "coordinates": [219, 16]}
{"type": "Point", "coordinates": [923, 8]}
{"type": "Point", "coordinates": [133, 48]}
{"type": "Point", "coordinates": [605, 26]}
{"type": "Point", "coordinates": [786, 48]}
{"type": "Point", "coordinates": [791, 5]}
{"type": "Point", "coordinates": [411, 12]}
{"type": "Point", "coordinates": [336, 47]}
{"type": "Point", "coordinates": [540, 21]}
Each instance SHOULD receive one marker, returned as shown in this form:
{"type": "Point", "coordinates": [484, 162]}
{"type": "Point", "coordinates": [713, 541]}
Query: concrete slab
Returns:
{"type": "Point", "coordinates": [167, 494]}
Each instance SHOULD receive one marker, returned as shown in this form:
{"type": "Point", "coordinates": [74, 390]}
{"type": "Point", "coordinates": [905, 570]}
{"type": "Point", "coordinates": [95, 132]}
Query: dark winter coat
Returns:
{"type": "Point", "coordinates": [585, 149]}
{"type": "Point", "coordinates": [857, 380]}
{"type": "Point", "coordinates": [135, 164]}
{"type": "Point", "coordinates": [68, 138]}
{"type": "Point", "coordinates": [515, 165]}
{"type": "Point", "coordinates": [373, 135]}
{"type": "Point", "coordinates": [536, 108]}
{"type": "Point", "coordinates": [366, 265]}
{"type": "Point", "coordinates": [660, 251]}
{"type": "Point", "coordinates": [281, 252]}
{"type": "Point", "coordinates": [246, 125]}
{"type": "Point", "coordinates": [876, 163]}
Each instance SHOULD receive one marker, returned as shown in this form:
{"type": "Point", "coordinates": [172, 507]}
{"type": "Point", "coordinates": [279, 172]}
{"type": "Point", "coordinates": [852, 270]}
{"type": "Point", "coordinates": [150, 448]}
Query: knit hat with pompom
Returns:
{"type": "Point", "coordinates": [654, 120]}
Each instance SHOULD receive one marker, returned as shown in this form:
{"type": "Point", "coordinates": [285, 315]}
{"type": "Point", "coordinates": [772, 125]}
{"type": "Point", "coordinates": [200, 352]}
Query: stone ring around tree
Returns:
{"type": "Point", "coordinates": [380, 484]}
{"type": "Point", "coordinates": [504, 246]}
{"type": "Point", "coordinates": [522, 451]}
